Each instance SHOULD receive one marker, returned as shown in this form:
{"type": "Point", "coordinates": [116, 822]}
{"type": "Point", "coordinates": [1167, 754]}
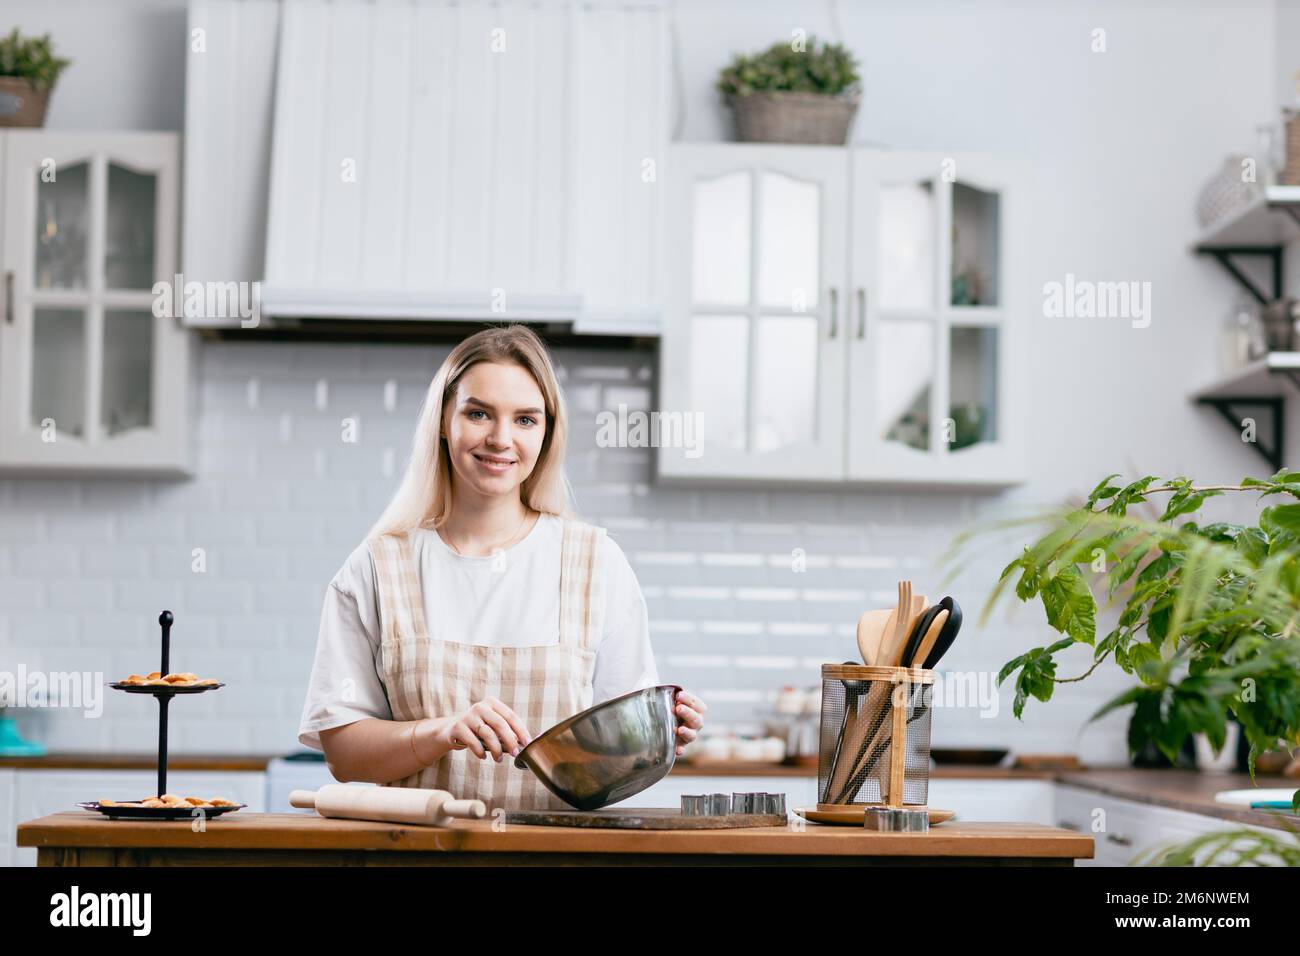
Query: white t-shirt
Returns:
{"type": "Point", "coordinates": [468, 600]}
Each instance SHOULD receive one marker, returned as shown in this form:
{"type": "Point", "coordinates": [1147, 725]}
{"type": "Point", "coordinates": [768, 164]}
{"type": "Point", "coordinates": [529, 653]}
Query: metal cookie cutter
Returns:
{"type": "Point", "coordinates": [774, 803]}
{"type": "Point", "coordinates": [718, 804]}
{"type": "Point", "coordinates": [694, 805]}
{"type": "Point", "coordinates": [896, 819]}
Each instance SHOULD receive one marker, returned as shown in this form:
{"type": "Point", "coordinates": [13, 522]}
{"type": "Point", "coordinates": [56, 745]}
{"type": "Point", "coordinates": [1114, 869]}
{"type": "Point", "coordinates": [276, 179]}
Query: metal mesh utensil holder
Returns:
{"type": "Point", "coordinates": [875, 736]}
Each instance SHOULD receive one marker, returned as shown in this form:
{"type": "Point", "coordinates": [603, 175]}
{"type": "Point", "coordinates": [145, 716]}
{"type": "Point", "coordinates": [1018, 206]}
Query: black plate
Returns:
{"type": "Point", "coordinates": [156, 813]}
{"type": "Point", "coordinates": [160, 689]}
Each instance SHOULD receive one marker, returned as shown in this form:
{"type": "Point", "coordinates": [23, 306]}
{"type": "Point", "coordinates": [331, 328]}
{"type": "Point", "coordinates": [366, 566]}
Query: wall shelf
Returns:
{"type": "Point", "coordinates": [1259, 385]}
{"type": "Point", "coordinates": [1260, 229]}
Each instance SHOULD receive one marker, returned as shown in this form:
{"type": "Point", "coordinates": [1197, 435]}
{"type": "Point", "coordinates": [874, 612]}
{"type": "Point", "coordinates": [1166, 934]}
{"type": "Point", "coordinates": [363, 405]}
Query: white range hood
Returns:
{"type": "Point", "coordinates": [472, 160]}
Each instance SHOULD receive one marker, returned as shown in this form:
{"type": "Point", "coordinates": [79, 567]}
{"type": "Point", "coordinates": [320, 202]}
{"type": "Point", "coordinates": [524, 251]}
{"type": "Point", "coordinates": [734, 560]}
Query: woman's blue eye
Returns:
{"type": "Point", "coordinates": [526, 418]}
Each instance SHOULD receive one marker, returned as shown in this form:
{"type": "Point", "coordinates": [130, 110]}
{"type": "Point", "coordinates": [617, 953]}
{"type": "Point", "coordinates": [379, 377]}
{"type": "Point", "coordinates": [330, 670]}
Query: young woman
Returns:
{"type": "Point", "coordinates": [479, 611]}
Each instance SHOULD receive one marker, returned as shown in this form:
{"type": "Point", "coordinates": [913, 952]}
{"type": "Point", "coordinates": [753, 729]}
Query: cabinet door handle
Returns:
{"type": "Point", "coordinates": [835, 311]}
{"type": "Point", "coordinates": [9, 297]}
{"type": "Point", "coordinates": [862, 312]}
{"type": "Point", "coordinates": [1120, 840]}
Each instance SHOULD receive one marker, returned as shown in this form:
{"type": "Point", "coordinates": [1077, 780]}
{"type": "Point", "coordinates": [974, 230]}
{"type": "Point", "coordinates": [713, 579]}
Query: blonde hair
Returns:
{"type": "Point", "coordinates": [424, 496]}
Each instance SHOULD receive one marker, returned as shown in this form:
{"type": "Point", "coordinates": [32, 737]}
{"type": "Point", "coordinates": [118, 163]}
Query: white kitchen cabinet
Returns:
{"type": "Point", "coordinates": [839, 314]}
{"type": "Point", "coordinates": [753, 348]}
{"type": "Point", "coordinates": [8, 824]}
{"type": "Point", "coordinates": [936, 360]}
{"type": "Point", "coordinates": [91, 380]}
{"type": "Point", "coordinates": [993, 801]}
{"type": "Point", "coordinates": [39, 793]}
{"type": "Point", "coordinates": [1124, 829]}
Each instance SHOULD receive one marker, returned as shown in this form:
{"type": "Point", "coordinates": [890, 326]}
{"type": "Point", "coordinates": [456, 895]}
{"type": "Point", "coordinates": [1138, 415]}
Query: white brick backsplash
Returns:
{"type": "Point", "coordinates": [80, 595]}
{"type": "Point", "coordinates": [289, 529]}
{"type": "Point", "coordinates": [264, 630]}
{"type": "Point", "coordinates": [160, 528]}
{"type": "Point", "coordinates": [206, 595]}
{"type": "Point", "coordinates": [17, 526]}
{"type": "Point", "coordinates": [64, 525]}
{"type": "Point", "coordinates": [279, 502]}
{"type": "Point", "coordinates": [418, 363]}
{"type": "Point", "coordinates": [35, 632]}
{"type": "Point", "coordinates": [114, 560]}
{"type": "Point", "coordinates": [287, 597]}
{"type": "Point", "coordinates": [45, 560]}
{"type": "Point", "coordinates": [115, 497]}
{"type": "Point", "coordinates": [20, 595]}
{"type": "Point", "coordinates": [53, 497]}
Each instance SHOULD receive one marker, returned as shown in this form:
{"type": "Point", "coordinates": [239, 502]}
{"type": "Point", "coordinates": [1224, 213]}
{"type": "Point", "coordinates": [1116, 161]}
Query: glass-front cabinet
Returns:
{"type": "Point", "coordinates": [92, 376]}
{"type": "Point", "coordinates": [934, 358]}
{"type": "Point", "coordinates": [753, 374]}
{"type": "Point", "coordinates": [844, 314]}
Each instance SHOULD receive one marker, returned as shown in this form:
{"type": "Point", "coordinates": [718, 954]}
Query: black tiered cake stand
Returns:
{"type": "Point", "coordinates": [164, 694]}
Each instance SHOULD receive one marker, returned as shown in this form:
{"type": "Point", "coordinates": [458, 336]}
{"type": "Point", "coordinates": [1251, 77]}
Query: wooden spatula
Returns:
{"type": "Point", "coordinates": [927, 643]}
{"type": "Point", "coordinates": [871, 630]}
{"type": "Point", "coordinates": [897, 630]}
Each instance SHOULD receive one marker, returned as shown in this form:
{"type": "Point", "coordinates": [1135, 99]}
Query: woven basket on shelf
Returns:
{"type": "Point", "coordinates": [1290, 175]}
{"type": "Point", "coordinates": [773, 117]}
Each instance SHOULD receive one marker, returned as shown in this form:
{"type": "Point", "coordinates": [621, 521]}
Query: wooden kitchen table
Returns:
{"type": "Point", "coordinates": [82, 838]}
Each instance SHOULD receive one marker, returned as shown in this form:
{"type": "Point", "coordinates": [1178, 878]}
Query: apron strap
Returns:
{"type": "Point", "coordinates": [581, 586]}
{"type": "Point", "coordinates": [401, 600]}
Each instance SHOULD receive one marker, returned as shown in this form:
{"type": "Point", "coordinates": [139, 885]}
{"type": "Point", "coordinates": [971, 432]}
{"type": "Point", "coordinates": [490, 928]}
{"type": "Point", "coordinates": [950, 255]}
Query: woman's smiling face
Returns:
{"type": "Point", "coordinates": [494, 427]}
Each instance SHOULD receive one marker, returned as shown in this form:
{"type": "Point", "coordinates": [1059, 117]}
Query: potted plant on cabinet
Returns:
{"type": "Point", "coordinates": [797, 92]}
{"type": "Point", "coordinates": [1209, 623]}
{"type": "Point", "coordinates": [28, 71]}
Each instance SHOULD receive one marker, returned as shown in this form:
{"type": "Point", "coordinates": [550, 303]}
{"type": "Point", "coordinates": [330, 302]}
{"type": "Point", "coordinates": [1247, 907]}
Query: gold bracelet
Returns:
{"type": "Point", "coordinates": [421, 760]}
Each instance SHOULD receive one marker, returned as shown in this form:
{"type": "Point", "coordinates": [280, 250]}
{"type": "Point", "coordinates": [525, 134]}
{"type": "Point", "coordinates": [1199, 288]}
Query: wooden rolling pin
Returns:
{"type": "Point", "coordinates": [387, 804]}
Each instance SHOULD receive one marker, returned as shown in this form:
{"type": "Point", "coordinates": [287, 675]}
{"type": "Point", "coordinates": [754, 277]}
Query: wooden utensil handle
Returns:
{"type": "Point", "coordinates": [887, 731]}
{"type": "Point", "coordinates": [876, 750]}
{"type": "Point", "coordinates": [467, 809]}
{"type": "Point", "coordinates": [862, 746]}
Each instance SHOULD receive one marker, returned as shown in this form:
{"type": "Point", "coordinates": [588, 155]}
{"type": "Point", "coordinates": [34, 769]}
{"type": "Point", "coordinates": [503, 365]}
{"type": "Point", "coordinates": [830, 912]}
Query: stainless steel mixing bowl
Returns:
{"type": "Point", "coordinates": [610, 751]}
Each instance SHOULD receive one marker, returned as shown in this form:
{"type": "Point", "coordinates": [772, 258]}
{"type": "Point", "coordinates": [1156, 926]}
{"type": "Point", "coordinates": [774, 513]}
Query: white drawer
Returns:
{"type": "Point", "coordinates": [1129, 828]}
{"type": "Point", "coordinates": [994, 801]}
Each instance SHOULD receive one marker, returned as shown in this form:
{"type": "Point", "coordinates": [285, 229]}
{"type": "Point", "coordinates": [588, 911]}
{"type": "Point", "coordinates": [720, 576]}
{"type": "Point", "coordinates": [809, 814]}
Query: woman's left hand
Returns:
{"type": "Point", "coordinates": [690, 718]}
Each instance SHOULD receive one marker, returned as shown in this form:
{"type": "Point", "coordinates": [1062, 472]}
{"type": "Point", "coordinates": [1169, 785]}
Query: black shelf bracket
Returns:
{"type": "Point", "coordinates": [1230, 407]}
{"type": "Point", "coordinates": [1223, 256]}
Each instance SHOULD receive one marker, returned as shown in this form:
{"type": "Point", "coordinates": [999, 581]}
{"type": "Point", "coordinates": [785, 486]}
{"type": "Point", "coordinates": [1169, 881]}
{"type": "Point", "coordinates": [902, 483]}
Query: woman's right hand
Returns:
{"type": "Point", "coordinates": [488, 726]}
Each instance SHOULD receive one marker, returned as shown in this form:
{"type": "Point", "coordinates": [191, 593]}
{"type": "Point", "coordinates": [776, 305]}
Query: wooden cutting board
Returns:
{"type": "Point", "coordinates": [642, 818]}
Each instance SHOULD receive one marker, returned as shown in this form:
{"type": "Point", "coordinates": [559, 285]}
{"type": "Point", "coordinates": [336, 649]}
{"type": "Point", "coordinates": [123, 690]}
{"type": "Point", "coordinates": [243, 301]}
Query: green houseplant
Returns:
{"type": "Point", "coordinates": [28, 71]}
{"type": "Point", "coordinates": [796, 92]}
{"type": "Point", "coordinates": [1208, 617]}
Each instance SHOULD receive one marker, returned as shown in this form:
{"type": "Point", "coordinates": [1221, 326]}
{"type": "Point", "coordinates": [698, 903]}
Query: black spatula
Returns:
{"type": "Point", "coordinates": [947, 635]}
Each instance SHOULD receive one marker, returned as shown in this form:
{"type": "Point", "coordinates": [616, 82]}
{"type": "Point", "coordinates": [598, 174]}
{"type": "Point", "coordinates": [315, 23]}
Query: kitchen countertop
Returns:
{"type": "Point", "coordinates": [81, 838]}
{"type": "Point", "coordinates": [85, 760]}
{"type": "Point", "coordinates": [1187, 790]}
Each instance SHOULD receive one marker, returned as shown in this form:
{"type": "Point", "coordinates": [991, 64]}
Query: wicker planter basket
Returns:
{"type": "Point", "coordinates": [793, 117]}
{"type": "Point", "coordinates": [21, 104]}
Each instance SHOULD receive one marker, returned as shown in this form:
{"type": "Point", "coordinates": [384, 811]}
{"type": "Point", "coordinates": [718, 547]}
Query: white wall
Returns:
{"type": "Point", "coordinates": [128, 69]}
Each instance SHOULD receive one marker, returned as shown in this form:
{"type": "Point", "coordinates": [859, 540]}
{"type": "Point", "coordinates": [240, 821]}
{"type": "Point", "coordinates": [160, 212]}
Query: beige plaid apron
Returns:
{"type": "Point", "coordinates": [543, 685]}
